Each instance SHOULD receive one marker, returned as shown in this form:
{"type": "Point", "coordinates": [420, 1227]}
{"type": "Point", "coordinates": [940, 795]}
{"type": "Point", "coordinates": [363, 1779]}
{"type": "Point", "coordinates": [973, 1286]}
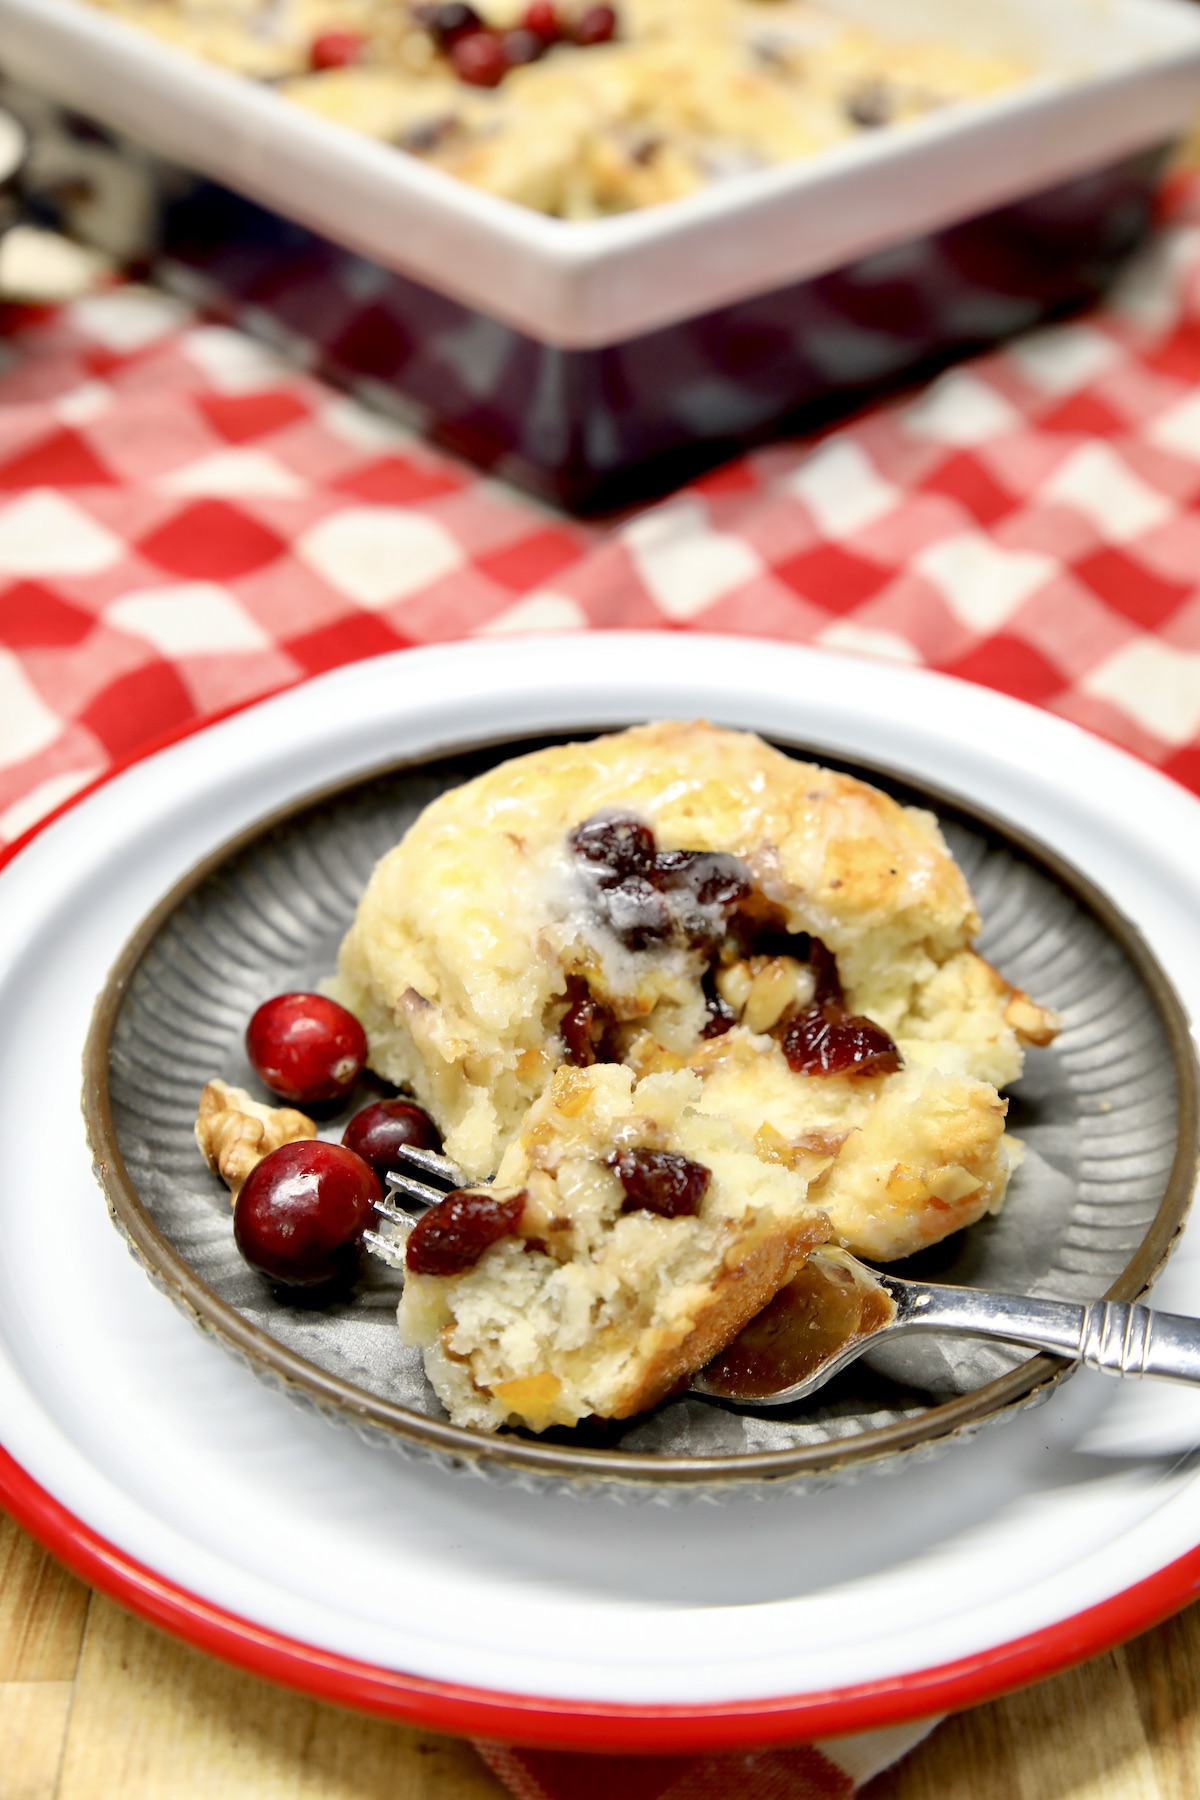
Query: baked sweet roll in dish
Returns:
{"type": "Point", "coordinates": [577, 109]}
{"type": "Point", "coordinates": [687, 901]}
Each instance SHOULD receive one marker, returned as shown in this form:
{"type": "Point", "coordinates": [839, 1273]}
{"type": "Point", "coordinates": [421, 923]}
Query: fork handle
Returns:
{"type": "Point", "coordinates": [1114, 1336]}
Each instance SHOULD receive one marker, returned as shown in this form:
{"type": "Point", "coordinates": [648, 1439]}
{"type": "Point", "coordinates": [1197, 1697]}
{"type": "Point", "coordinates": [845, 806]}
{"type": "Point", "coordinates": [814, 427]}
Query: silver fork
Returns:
{"type": "Point", "coordinates": [1116, 1337]}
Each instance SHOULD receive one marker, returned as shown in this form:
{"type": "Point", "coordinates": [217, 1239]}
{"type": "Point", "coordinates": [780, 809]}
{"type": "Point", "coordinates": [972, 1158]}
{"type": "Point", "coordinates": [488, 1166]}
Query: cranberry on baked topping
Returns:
{"type": "Point", "coordinates": [336, 49]}
{"type": "Point", "coordinates": [541, 17]}
{"type": "Point", "coordinates": [453, 1235]}
{"type": "Point", "coordinates": [478, 58]}
{"type": "Point", "coordinates": [596, 25]}
{"type": "Point", "coordinates": [522, 46]}
{"type": "Point", "coordinates": [452, 19]}
{"type": "Point", "coordinates": [660, 1181]}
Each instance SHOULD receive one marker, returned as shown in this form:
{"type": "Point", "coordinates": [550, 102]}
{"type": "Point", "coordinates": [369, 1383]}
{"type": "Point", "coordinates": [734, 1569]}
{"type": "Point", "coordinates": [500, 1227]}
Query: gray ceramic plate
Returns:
{"type": "Point", "coordinates": [1109, 1117]}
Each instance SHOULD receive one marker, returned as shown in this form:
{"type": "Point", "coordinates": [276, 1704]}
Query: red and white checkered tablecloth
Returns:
{"type": "Point", "coordinates": [186, 523]}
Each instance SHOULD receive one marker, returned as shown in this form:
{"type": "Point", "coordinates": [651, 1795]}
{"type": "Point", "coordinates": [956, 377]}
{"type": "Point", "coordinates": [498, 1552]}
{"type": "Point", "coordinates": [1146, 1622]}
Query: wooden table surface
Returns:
{"type": "Point", "coordinates": [94, 1705]}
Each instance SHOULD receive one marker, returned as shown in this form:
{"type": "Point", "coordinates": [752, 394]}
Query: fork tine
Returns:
{"type": "Point", "coordinates": [432, 1162]}
{"type": "Point", "coordinates": [412, 1189]}
{"type": "Point", "coordinates": [389, 1250]}
{"type": "Point", "coordinates": [399, 1215]}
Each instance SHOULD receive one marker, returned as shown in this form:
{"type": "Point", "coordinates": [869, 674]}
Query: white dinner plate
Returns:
{"type": "Point", "coordinates": [167, 1474]}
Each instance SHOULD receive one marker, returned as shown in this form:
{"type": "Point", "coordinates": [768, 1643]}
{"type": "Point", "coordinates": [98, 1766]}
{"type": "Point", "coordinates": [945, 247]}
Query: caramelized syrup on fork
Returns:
{"type": "Point", "coordinates": [822, 1311]}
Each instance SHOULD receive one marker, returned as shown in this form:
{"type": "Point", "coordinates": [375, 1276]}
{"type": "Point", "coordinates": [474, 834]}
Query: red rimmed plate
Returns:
{"type": "Point", "coordinates": [166, 1474]}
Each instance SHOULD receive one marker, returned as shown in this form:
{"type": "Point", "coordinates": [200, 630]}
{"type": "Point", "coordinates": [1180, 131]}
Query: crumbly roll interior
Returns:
{"type": "Point", "coordinates": [592, 1309]}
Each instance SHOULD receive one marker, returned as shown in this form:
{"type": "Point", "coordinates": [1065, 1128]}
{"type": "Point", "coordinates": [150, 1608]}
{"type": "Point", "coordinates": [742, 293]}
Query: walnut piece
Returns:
{"type": "Point", "coordinates": [235, 1132]}
{"type": "Point", "coordinates": [1032, 1023]}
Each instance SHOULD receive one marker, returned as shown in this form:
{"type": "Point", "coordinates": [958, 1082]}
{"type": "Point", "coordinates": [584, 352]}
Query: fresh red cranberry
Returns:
{"type": "Point", "coordinates": [823, 1040]}
{"type": "Point", "coordinates": [302, 1211]}
{"type": "Point", "coordinates": [660, 1181]}
{"type": "Point", "coordinates": [595, 26]}
{"type": "Point", "coordinates": [479, 59]}
{"type": "Point", "coordinates": [453, 1235]}
{"type": "Point", "coordinates": [541, 17]}
{"type": "Point", "coordinates": [336, 49]}
{"type": "Point", "coordinates": [377, 1132]}
{"type": "Point", "coordinates": [522, 46]}
{"type": "Point", "coordinates": [453, 19]}
{"type": "Point", "coordinates": [306, 1047]}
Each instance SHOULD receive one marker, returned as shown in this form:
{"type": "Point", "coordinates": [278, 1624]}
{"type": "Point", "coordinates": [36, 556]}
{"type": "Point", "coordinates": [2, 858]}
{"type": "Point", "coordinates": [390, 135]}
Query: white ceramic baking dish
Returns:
{"type": "Point", "coordinates": [1112, 79]}
{"type": "Point", "coordinates": [1111, 76]}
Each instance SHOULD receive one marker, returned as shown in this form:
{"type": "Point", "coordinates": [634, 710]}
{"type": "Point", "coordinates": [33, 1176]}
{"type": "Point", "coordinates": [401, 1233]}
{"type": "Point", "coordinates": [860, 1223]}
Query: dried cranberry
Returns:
{"type": "Point", "coordinates": [453, 19]}
{"type": "Point", "coordinates": [522, 46]}
{"type": "Point", "coordinates": [775, 940]}
{"type": "Point", "coordinates": [595, 26]}
{"type": "Point", "coordinates": [336, 49]}
{"type": "Point", "coordinates": [377, 1132]}
{"type": "Point", "coordinates": [742, 933]}
{"type": "Point", "coordinates": [620, 854]}
{"type": "Point", "coordinates": [647, 895]}
{"type": "Point", "coordinates": [541, 17]}
{"type": "Point", "coordinates": [660, 1181]}
{"type": "Point", "coordinates": [637, 913]}
{"type": "Point", "coordinates": [713, 877]}
{"type": "Point", "coordinates": [704, 886]}
{"type": "Point", "coordinates": [822, 1040]}
{"type": "Point", "coordinates": [306, 1047]}
{"type": "Point", "coordinates": [615, 847]}
{"type": "Point", "coordinates": [302, 1211]}
{"type": "Point", "coordinates": [478, 58]}
{"type": "Point", "coordinates": [454, 1234]}
{"type": "Point", "coordinates": [584, 1026]}
{"type": "Point", "coordinates": [721, 1016]}
{"type": "Point", "coordinates": [823, 964]}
